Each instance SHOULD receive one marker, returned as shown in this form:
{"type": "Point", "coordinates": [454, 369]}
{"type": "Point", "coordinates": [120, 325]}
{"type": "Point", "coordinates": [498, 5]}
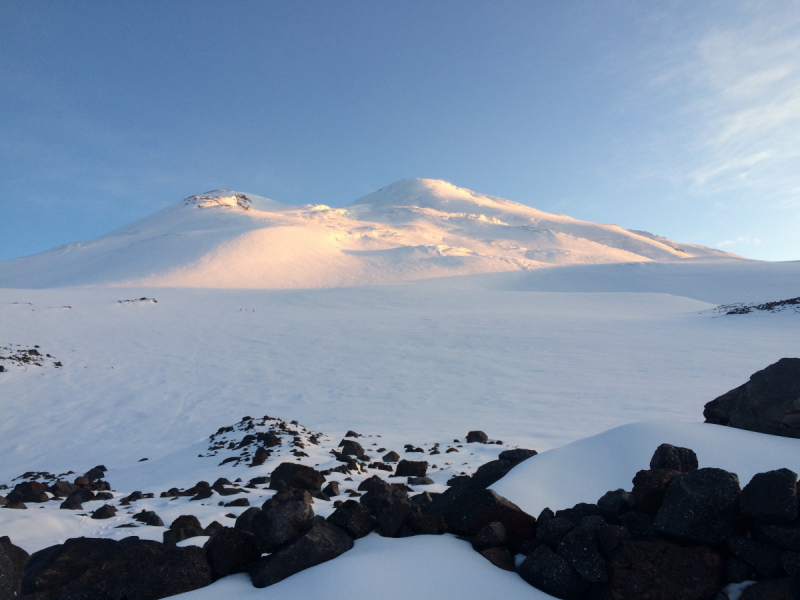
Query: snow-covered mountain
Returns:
{"type": "Point", "coordinates": [412, 229]}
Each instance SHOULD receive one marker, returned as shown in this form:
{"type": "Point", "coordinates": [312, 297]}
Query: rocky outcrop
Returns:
{"type": "Point", "coordinates": [768, 403]}
{"type": "Point", "coordinates": [12, 561]}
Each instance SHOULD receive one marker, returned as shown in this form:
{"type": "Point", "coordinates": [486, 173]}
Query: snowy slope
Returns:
{"type": "Point", "coordinates": [413, 229]}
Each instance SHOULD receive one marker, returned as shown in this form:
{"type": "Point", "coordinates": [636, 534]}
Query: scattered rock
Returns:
{"type": "Point", "coordinates": [260, 457]}
{"type": "Point", "coordinates": [332, 489]}
{"type": "Point", "coordinates": [354, 518]}
{"type": "Point", "coordinates": [28, 491]}
{"type": "Point", "coordinates": [700, 506]}
{"type": "Point", "coordinates": [420, 481]}
{"type": "Point", "coordinates": [771, 497]}
{"type": "Point", "coordinates": [516, 455]}
{"type": "Point", "coordinates": [477, 436]}
{"type": "Point", "coordinates": [679, 459]}
{"type": "Point", "coordinates": [547, 571]}
{"type": "Point", "coordinates": [183, 528]}
{"type": "Point", "coordinates": [230, 551]}
{"type": "Point", "coordinates": [282, 518]}
{"type": "Point", "coordinates": [661, 569]}
{"type": "Point", "coordinates": [237, 502]}
{"type": "Point", "coordinates": [649, 488]}
{"type": "Point", "coordinates": [768, 403]}
{"type": "Point", "coordinates": [411, 468]}
{"type": "Point", "coordinates": [296, 476]}
{"type": "Point", "coordinates": [148, 517]}
{"type": "Point", "coordinates": [390, 505]}
{"type": "Point", "coordinates": [12, 561]}
{"type": "Point", "coordinates": [391, 457]}
{"type": "Point", "coordinates": [105, 512]}
{"type": "Point", "coordinates": [320, 542]}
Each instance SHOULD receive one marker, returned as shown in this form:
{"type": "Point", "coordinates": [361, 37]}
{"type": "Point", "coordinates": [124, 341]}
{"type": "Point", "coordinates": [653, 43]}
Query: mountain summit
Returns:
{"type": "Point", "coordinates": [412, 229]}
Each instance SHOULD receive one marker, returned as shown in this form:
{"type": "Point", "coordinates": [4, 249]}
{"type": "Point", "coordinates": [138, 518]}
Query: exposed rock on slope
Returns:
{"type": "Point", "coordinates": [768, 403]}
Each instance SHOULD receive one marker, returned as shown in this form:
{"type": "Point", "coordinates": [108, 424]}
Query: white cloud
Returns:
{"type": "Point", "coordinates": [738, 241]}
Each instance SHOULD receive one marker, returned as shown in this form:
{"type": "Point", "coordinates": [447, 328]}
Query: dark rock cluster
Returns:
{"type": "Point", "coordinates": [681, 533]}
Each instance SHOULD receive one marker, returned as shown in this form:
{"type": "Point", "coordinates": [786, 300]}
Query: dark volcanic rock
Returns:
{"type": "Point", "coordinates": [639, 524]}
{"type": "Point", "coordinates": [411, 468]}
{"type": "Point", "coordinates": [244, 522]}
{"type": "Point", "coordinates": [148, 517]}
{"type": "Point", "coordinates": [296, 476]}
{"type": "Point", "coordinates": [579, 549]}
{"type": "Point", "coordinates": [765, 560]}
{"type": "Point", "coordinates": [390, 505]}
{"type": "Point", "coordinates": [28, 491]}
{"type": "Point", "coordinates": [63, 489]}
{"type": "Point", "coordinates": [472, 510]}
{"type": "Point", "coordinates": [663, 570]}
{"type": "Point", "coordinates": [105, 512]}
{"type": "Point", "coordinates": [332, 489]}
{"type": "Point", "coordinates": [133, 569]}
{"type": "Point", "coordinates": [12, 560]}
{"type": "Point", "coordinates": [771, 497]}
{"type": "Point", "coordinates": [516, 455]}
{"type": "Point", "coordinates": [477, 436]}
{"type": "Point", "coordinates": [354, 518]}
{"type": "Point", "coordinates": [553, 530]}
{"type": "Point", "coordinates": [649, 488]}
{"type": "Point", "coordinates": [547, 571]}
{"type": "Point", "coordinates": [786, 538]}
{"type": "Point", "coordinates": [282, 518]}
{"type": "Point", "coordinates": [768, 403]}
{"type": "Point", "coordinates": [500, 557]}
{"type": "Point", "coordinates": [183, 528]}
{"type": "Point", "coordinates": [415, 481]}
{"type": "Point", "coordinates": [260, 457]}
{"type": "Point", "coordinates": [391, 457]}
{"type": "Point", "coordinates": [493, 534]}
{"type": "Point", "coordinates": [700, 506]}
{"type": "Point", "coordinates": [615, 502]}
{"type": "Point", "coordinates": [230, 551]}
{"type": "Point", "coordinates": [667, 456]}
{"type": "Point", "coordinates": [320, 542]}
{"type": "Point", "coordinates": [427, 524]}
{"type": "Point", "coordinates": [489, 473]}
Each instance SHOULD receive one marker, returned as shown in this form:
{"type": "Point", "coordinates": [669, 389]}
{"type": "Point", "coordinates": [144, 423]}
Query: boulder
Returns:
{"type": "Point", "coordinates": [649, 488]}
{"type": "Point", "coordinates": [148, 517]}
{"type": "Point", "coordinates": [784, 537]}
{"type": "Point", "coordinates": [296, 476]}
{"type": "Point", "coordinates": [411, 468]}
{"type": "Point", "coordinates": [28, 491]}
{"type": "Point", "coordinates": [282, 517]}
{"type": "Point", "coordinates": [269, 439]}
{"type": "Point", "coordinates": [765, 559]}
{"type": "Point", "coordinates": [72, 503]}
{"type": "Point", "coordinates": [63, 489]}
{"type": "Point", "coordinates": [12, 561]}
{"type": "Point", "coordinates": [517, 455]}
{"type": "Point", "coordinates": [427, 524]}
{"type": "Point", "coordinates": [105, 512]}
{"type": "Point", "coordinates": [790, 561]}
{"type": "Point", "coordinates": [477, 436]}
{"type": "Point", "coordinates": [642, 570]}
{"type": "Point", "coordinates": [639, 524]}
{"type": "Point", "coordinates": [353, 518]}
{"type": "Point", "coordinates": [472, 510]}
{"type": "Point", "coordinates": [552, 530]}
{"type": "Point", "coordinates": [490, 473]}
{"type": "Point", "coordinates": [579, 548]}
{"type": "Point", "coordinates": [547, 571]}
{"type": "Point", "coordinates": [672, 457]}
{"type": "Point", "coordinates": [244, 522]}
{"type": "Point", "coordinates": [134, 569]}
{"type": "Point", "coordinates": [579, 512]}
{"type": "Point", "coordinates": [771, 497]}
{"type": "Point", "coordinates": [351, 448]}
{"type": "Point", "coordinates": [390, 505]}
{"type": "Point", "coordinates": [700, 506]}
{"type": "Point", "coordinates": [183, 528]}
{"type": "Point", "coordinates": [768, 403]}
{"type": "Point", "coordinates": [260, 456]}
{"type": "Point", "coordinates": [615, 502]}
{"type": "Point", "coordinates": [230, 551]}
{"type": "Point", "coordinates": [493, 534]}
{"type": "Point", "coordinates": [332, 489]}
{"type": "Point", "coordinates": [319, 542]}
{"type": "Point", "coordinates": [391, 457]}
{"type": "Point", "coordinates": [95, 473]}
{"type": "Point", "coordinates": [500, 557]}
{"type": "Point", "coordinates": [415, 481]}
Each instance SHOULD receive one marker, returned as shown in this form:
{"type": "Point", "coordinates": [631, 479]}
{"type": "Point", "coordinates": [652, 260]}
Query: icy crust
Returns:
{"type": "Point", "coordinates": [411, 230]}
{"type": "Point", "coordinates": [228, 453]}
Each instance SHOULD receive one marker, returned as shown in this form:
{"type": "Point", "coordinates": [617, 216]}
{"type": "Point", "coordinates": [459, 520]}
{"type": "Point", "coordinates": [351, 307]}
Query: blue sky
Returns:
{"type": "Point", "coordinates": [680, 118]}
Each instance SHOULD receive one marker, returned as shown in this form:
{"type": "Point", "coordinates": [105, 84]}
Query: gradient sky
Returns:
{"type": "Point", "coordinates": [680, 118]}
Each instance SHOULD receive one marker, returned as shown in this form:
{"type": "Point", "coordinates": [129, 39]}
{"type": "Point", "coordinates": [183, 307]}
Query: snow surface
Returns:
{"type": "Point", "coordinates": [421, 567]}
{"type": "Point", "coordinates": [413, 229]}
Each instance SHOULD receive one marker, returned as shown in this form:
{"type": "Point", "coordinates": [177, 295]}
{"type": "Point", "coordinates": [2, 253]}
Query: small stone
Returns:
{"type": "Point", "coordinates": [104, 512]}
{"type": "Point", "coordinates": [477, 436]}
